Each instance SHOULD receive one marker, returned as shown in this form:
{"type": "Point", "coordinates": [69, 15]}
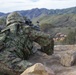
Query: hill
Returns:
{"type": "Point", "coordinates": [37, 12]}
{"type": "Point", "coordinates": [60, 23]}
{"type": "Point", "coordinates": [33, 13]}
{"type": "Point", "coordinates": [1, 14]}
{"type": "Point", "coordinates": [62, 20]}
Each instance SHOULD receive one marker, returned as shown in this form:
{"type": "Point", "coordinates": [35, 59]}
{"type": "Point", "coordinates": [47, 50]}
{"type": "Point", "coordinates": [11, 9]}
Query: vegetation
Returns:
{"type": "Point", "coordinates": [63, 20]}
{"type": "Point", "coordinates": [71, 38]}
{"type": "Point", "coordinates": [46, 26]}
{"type": "Point", "coordinates": [2, 21]}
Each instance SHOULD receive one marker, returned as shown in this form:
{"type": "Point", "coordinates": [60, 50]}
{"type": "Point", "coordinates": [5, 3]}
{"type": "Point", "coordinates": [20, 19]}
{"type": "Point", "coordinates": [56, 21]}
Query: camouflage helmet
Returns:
{"type": "Point", "coordinates": [14, 17]}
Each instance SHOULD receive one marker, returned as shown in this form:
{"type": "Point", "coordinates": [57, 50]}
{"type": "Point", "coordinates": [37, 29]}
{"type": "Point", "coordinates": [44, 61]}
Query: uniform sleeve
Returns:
{"type": "Point", "coordinates": [40, 37]}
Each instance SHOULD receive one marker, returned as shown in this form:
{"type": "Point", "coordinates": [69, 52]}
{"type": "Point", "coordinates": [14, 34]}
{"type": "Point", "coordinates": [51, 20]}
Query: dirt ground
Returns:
{"type": "Point", "coordinates": [53, 61]}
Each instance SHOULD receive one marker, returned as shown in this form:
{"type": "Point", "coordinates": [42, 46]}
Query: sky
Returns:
{"type": "Point", "coordinates": [14, 5]}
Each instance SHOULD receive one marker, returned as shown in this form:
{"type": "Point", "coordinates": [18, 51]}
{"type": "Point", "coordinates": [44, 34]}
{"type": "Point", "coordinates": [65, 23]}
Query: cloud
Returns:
{"type": "Point", "coordinates": [13, 5]}
{"type": "Point", "coordinates": [34, 0]}
{"type": "Point", "coordinates": [55, 4]}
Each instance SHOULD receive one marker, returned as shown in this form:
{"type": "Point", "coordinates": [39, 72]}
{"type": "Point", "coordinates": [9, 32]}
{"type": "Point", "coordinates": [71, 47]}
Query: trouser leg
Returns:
{"type": "Point", "coordinates": [48, 49]}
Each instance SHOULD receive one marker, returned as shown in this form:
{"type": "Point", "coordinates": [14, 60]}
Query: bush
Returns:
{"type": "Point", "coordinates": [46, 26]}
{"type": "Point", "coordinates": [71, 38]}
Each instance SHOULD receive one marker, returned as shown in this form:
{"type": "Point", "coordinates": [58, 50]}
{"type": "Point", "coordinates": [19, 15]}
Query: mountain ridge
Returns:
{"type": "Point", "coordinates": [33, 13]}
{"type": "Point", "coordinates": [60, 20]}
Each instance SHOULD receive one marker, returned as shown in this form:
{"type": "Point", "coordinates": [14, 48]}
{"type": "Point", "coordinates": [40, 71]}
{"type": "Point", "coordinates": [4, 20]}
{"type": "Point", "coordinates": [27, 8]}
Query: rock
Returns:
{"type": "Point", "coordinates": [36, 46]}
{"type": "Point", "coordinates": [68, 59]}
{"type": "Point", "coordinates": [38, 69]}
{"type": "Point", "coordinates": [69, 73]}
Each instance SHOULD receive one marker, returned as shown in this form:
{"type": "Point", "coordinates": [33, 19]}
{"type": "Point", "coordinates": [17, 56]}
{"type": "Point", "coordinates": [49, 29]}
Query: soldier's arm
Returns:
{"type": "Point", "coordinates": [44, 40]}
{"type": "Point", "coordinates": [36, 34]}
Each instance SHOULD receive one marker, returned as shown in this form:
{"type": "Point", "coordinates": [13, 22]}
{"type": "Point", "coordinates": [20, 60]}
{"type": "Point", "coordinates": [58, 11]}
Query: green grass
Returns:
{"type": "Point", "coordinates": [60, 23]}
{"type": "Point", "coordinates": [57, 20]}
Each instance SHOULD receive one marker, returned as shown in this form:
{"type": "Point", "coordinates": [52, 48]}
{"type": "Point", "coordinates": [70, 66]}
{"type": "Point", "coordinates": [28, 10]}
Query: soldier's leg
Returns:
{"type": "Point", "coordinates": [44, 40]}
{"type": "Point", "coordinates": [11, 64]}
{"type": "Point", "coordinates": [49, 48]}
{"type": "Point", "coordinates": [47, 45]}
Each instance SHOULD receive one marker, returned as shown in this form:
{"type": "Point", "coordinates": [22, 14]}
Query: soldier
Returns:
{"type": "Point", "coordinates": [15, 51]}
{"type": "Point", "coordinates": [19, 38]}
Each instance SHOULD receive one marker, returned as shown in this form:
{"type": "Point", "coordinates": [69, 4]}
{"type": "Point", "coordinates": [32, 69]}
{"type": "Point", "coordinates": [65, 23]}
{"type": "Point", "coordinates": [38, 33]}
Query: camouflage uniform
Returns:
{"type": "Point", "coordinates": [18, 43]}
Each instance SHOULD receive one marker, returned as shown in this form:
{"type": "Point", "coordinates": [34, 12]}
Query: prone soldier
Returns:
{"type": "Point", "coordinates": [18, 40]}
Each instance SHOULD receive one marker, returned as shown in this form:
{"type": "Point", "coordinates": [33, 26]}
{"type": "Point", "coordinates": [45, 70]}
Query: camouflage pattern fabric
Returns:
{"type": "Point", "coordinates": [18, 41]}
{"type": "Point", "coordinates": [15, 52]}
{"type": "Point", "coordinates": [14, 18]}
{"type": "Point", "coordinates": [44, 40]}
